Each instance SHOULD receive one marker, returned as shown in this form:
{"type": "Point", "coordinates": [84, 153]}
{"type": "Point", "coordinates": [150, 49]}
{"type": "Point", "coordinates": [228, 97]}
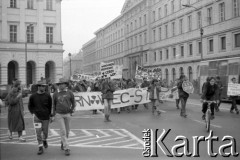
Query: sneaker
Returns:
{"type": "Point", "coordinates": [231, 111]}
{"type": "Point", "coordinates": [10, 137]}
{"type": "Point", "coordinates": [67, 152]}
{"type": "Point", "coordinates": [237, 112]}
{"type": "Point", "coordinates": [21, 139]}
{"type": "Point", "coordinates": [217, 109]}
{"type": "Point", "coordinates": [45, 144]}
{"type": "Point", "coordinates": [40, 151]}
{"type": "Point", "coordinates": [62, 146]}
{"type": "Point", "coordinates": [177, 107]}
{"type": "Point", "coordinates": [203, 117]}
{"type": "Point", "coordinates": [212, 117]}
{"type": "Point", "coordinates": [158, 113]}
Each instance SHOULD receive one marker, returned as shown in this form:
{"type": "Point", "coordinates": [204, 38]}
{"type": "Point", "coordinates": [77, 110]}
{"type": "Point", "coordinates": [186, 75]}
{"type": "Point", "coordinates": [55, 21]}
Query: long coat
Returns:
{"type": "Point", "coordinates": [151, 91]}
{"type": "Point", "coordinates": [15, 112]}
{"type": "Point", "coordinates": [107, 89]}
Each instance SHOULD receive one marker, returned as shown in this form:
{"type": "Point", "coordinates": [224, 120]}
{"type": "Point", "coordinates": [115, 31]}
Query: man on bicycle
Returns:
{"type": "Point", "coordinates": [210, 93]}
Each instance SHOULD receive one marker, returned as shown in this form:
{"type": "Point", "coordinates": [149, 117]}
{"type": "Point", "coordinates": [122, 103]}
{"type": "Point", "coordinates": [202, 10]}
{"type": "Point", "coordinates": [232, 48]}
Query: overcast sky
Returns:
{"type": "Point", "coordinates": [81, 18]}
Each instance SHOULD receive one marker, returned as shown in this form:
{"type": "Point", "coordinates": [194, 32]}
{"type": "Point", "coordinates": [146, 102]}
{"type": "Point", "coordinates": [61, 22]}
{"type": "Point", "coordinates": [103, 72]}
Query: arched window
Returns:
{"type": "Point", "coordinates": [190, 74]}
{"type": "Point", "coordinates": [166, 73]}
{"type": "Point", "coordinates": [181, 72]}
{"type": "Point", "coordinates": [174, 74]}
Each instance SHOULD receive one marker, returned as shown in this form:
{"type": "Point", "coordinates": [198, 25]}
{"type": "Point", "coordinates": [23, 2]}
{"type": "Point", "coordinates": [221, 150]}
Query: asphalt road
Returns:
{"type": "Point", "coordinates": [91, 138]}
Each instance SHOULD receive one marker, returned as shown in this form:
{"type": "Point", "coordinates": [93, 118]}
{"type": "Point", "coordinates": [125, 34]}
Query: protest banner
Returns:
{"type": "Point", "coordinates": [79, 77]}
{"type": "Point", "coordinates": [233, 89]}
{"type": "Point", "coordinates": [188, 87]}
{"type": "Point", "coordinates": [154, 73]}
{"type": "Point", "coordinates": [107, 69]}
{"type": "Point", "coordinates": [121, 98]}
{"type": "Point", "coordinates": [118, 71]}
{"type": "Point", "coordinates": [168, 94]}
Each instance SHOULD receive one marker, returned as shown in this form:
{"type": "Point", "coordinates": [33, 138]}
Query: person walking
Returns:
{"type": "Point", "coordinates": [63, 105]}
{"type": "Point", "coordinates": [145, 84]}
{"type": "Point", "coordinates": [220, 89]}
{"type": "Point", "coordinates": [183, 96]}
{"type": "Point", "coordinates": [40, 105]}
{"type": "Point", "coordinates": [107, 89]}
{"type": "Point", "coordinates": [154, 95]}
{"type": "Point", "coordinates": [15, 112]}
{"type": "Point", "coordinates": [234, 99]}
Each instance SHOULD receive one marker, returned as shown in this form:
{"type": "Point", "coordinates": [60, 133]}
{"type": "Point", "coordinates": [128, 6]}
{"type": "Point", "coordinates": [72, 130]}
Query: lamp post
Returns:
{"type": "Point", "coordinates": [69, 54]}
{"type": "Point", "coordinates": [201, 29]}
{"type": "Point", "coordinates": [26, 41]}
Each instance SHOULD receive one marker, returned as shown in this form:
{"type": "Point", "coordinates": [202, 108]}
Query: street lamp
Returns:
{"type": "Point", "coordinates": [26, 41]}
{"type": "Point", "coordinates": [200, 26]}
{"type": "Point", "coordinates": [69, 54]}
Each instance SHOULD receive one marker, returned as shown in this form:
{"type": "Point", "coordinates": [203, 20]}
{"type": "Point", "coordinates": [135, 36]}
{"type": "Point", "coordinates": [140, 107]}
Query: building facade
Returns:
{"type": "Point", "coordinates": [175, 35]}
{"type": "Point", "coordinates": [76, 64]}
{"type": "Point", "coordinates": [30, 40]}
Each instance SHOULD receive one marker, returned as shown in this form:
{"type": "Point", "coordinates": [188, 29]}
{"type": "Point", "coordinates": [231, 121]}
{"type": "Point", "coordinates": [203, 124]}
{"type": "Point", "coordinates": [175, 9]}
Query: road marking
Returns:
{"type": "Point", "coordinates": [162, 111]}
{"type": "Point", "coordinates": [103, 140]}
{"type": "Point", "coordinates": [133, 136]}
{"type": "Point", "coordinates": [53, 132]}
{"type": "Point", "coordinates": [119, 142]}
{"type": "Point", "coordinates": [71, 134]}
{"type": "Point", "coordinates": [217, 126]}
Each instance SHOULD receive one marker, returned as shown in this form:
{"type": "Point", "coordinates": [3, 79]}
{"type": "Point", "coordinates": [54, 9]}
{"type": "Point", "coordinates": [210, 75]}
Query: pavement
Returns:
{"type": "Point", "coordinates": [93, 139]}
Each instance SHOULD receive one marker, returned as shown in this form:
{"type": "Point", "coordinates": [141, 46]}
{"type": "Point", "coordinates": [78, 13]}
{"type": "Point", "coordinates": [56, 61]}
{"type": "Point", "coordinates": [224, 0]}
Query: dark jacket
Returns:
{"type": "Point", "coordinates": [181, 92]}
{"type": "Point", "coordinates": [107, 89]}
{"type": "Point", "coordinates": [145, 84]}
{"type": "Point", "coordinates": [210, 92]}
{"type": "Point", "coordinates": [151, 91]}
{"type": "Point", "coordinates": [40, 105]}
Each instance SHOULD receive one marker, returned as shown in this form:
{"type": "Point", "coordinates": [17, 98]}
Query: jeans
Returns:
{"type": "Point", "coordinates": [205, 106]}
{"type": "Point", "coordinates": [183, 101]}
{"type": "Point", "coordinates": [43, 129]}
{"type": "Point", "coordinates": [234, 103]}
{"type": "Point", "coordinates": [64, 122]}
{"type": "Point", "coordinates": [177, 103]}
{"type": "Point", "coordinates": [107, 106]}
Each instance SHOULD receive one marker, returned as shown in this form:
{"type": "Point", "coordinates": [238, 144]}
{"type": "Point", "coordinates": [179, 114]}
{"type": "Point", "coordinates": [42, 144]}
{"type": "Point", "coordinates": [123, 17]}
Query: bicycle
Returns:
{"type": "Point", "coordinates": [208, 115]}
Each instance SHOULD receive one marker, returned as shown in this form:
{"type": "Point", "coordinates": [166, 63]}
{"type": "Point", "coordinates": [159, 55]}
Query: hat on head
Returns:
{"type": "Point", "coordinates": [42, 83]}
{"type": "Point", "coordinates": [62, 81]}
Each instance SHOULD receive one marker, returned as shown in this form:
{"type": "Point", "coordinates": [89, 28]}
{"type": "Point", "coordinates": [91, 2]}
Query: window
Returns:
{"type": "Point", "coordinates": [181, 72]}
{"type": "Point", "coordinates": [190, 50]}
{"type": "Point", "coordinates": [49, 5]}
{"type": "Point", "coordinates": [140, 21]}
{"type": "Point", "coordinates": [30, 34]}
{"type": "Point", "coordinates": [165, 7]}
{"type": "Point", "coordinates": [237, 40]}
{"type": "Point", "coordinates": [200, 47]}
{"type": "Point", "coordinates": [160, 56]}
{"type": "Point", "coordinates": [182, 51]}
{"type": "Point", "coordinates": [131, 26]}
{"type": "Point", "coordinates": [172, 5]}
{"type": "Point", "coordinates": [167, 54]}
{"type": "Point", "coordinates": [222, 12]}
{"type": "Point", "coordinates": [145, 19]}
{"type": "Point", "coordinates": [160, 33]}
{"type": "Point", "coordinates": [49, 34]}
{"type": "Point", "coordinates": [223, 43]}
{"type": "Point", "coordinates": [153, 16]}
{"type": "Point", "coordinates": [173, 28]}
{"type": "Point", "coordinates": [136, 42]}
{"type": "Point", "coordinates": [174, 74]}
{"type": "Point", "coordinates": [154, 35]}
{"type": "Point", "coordinates": [209, 15]}
{"type": "Point", "coordinates": [145, 38]}
{"type": "Point", "coordinates": [30, 4]}
{"type": "Point", "coordinates": [166, 30]}
{"type": "Point", "coordinates": [181, 26]}
{"type": "Point", "coordinates": [155, 56]}
{"type": "Point", "coordinates": [146, 58]}
{"type": "Point", "coordinates": [13, 3]}
{"type": "Point", "coordinates": [199, 19]}
{"type": "Point", "coordinates": [174, 52]}
{"type": "Point", "coordinates": [140, 39]}
{"type": "Point", "coordinates": [127, 28]}
{"type": "Point", "coordinates": [135, 24]}
{"type": "Point", "coordinates": [159, 13]}
{"type": "Point", "coordinates": [235, 8]}
{"type": "Point", "coordinates": [189, 23]}
{"type": "Point", "coordinates": [210, 45]}
{"type": "Point", "coordinates": [13, 33]}
{"type": "Point", "coordinates": [190, 74]}
{"type": "Point", "coordinates": [180, 4]}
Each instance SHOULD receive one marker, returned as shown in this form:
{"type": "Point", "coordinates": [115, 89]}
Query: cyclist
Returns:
{"type": "Point", "coordinates": [210, 93]}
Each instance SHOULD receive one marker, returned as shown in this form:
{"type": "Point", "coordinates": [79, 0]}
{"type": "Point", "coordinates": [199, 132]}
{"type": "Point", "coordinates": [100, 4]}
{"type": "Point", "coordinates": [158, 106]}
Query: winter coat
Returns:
{"type": "Point", "coordinates": [107, 89]}
{"type": "Point", "coordinates": [210, 92]}
{"type": "Point", "coordinates": [181, 92]}
{"type": "Point", "coordinates": [151, 91]}
{"type": "Point", "coordinates": [145, 84]}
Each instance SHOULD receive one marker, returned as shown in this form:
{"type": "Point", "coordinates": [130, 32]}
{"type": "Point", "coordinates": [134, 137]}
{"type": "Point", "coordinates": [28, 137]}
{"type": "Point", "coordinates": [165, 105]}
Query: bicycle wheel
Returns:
{"type": "Point", "coordinates": [208, 115]}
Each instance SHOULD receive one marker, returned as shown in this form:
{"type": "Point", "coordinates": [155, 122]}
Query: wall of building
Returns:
{"type": "Point", "coordinates": [39, 54]}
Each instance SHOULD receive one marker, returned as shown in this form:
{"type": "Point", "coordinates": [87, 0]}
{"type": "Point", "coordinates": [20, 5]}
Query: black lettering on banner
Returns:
{"type": "Point", "coordinates": [138, 95]}
{"type": "Point", "coordinates": [87, 101]}
{"type": "Point", "coordinates": [118, 102]}
{"type": "Point", "coordinates": [122, 97]}
{"type": "Point", "coordinates": [100, 99]}
{"type": "Point", "coordinates": [78, 100]}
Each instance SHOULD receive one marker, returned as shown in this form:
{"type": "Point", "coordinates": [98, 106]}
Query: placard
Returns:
{"type": "Point", "coordinates": [188, 87]}
{"type": "Point", "coordinates": [233, 89]}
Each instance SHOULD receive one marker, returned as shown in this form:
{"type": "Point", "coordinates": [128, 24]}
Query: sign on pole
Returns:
{"type": "Point", "coordinates": [107, 69]}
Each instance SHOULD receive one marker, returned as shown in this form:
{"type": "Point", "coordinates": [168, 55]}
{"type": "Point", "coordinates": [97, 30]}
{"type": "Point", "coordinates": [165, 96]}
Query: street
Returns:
{"type": "Point", "coordinates": [92, 138]}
